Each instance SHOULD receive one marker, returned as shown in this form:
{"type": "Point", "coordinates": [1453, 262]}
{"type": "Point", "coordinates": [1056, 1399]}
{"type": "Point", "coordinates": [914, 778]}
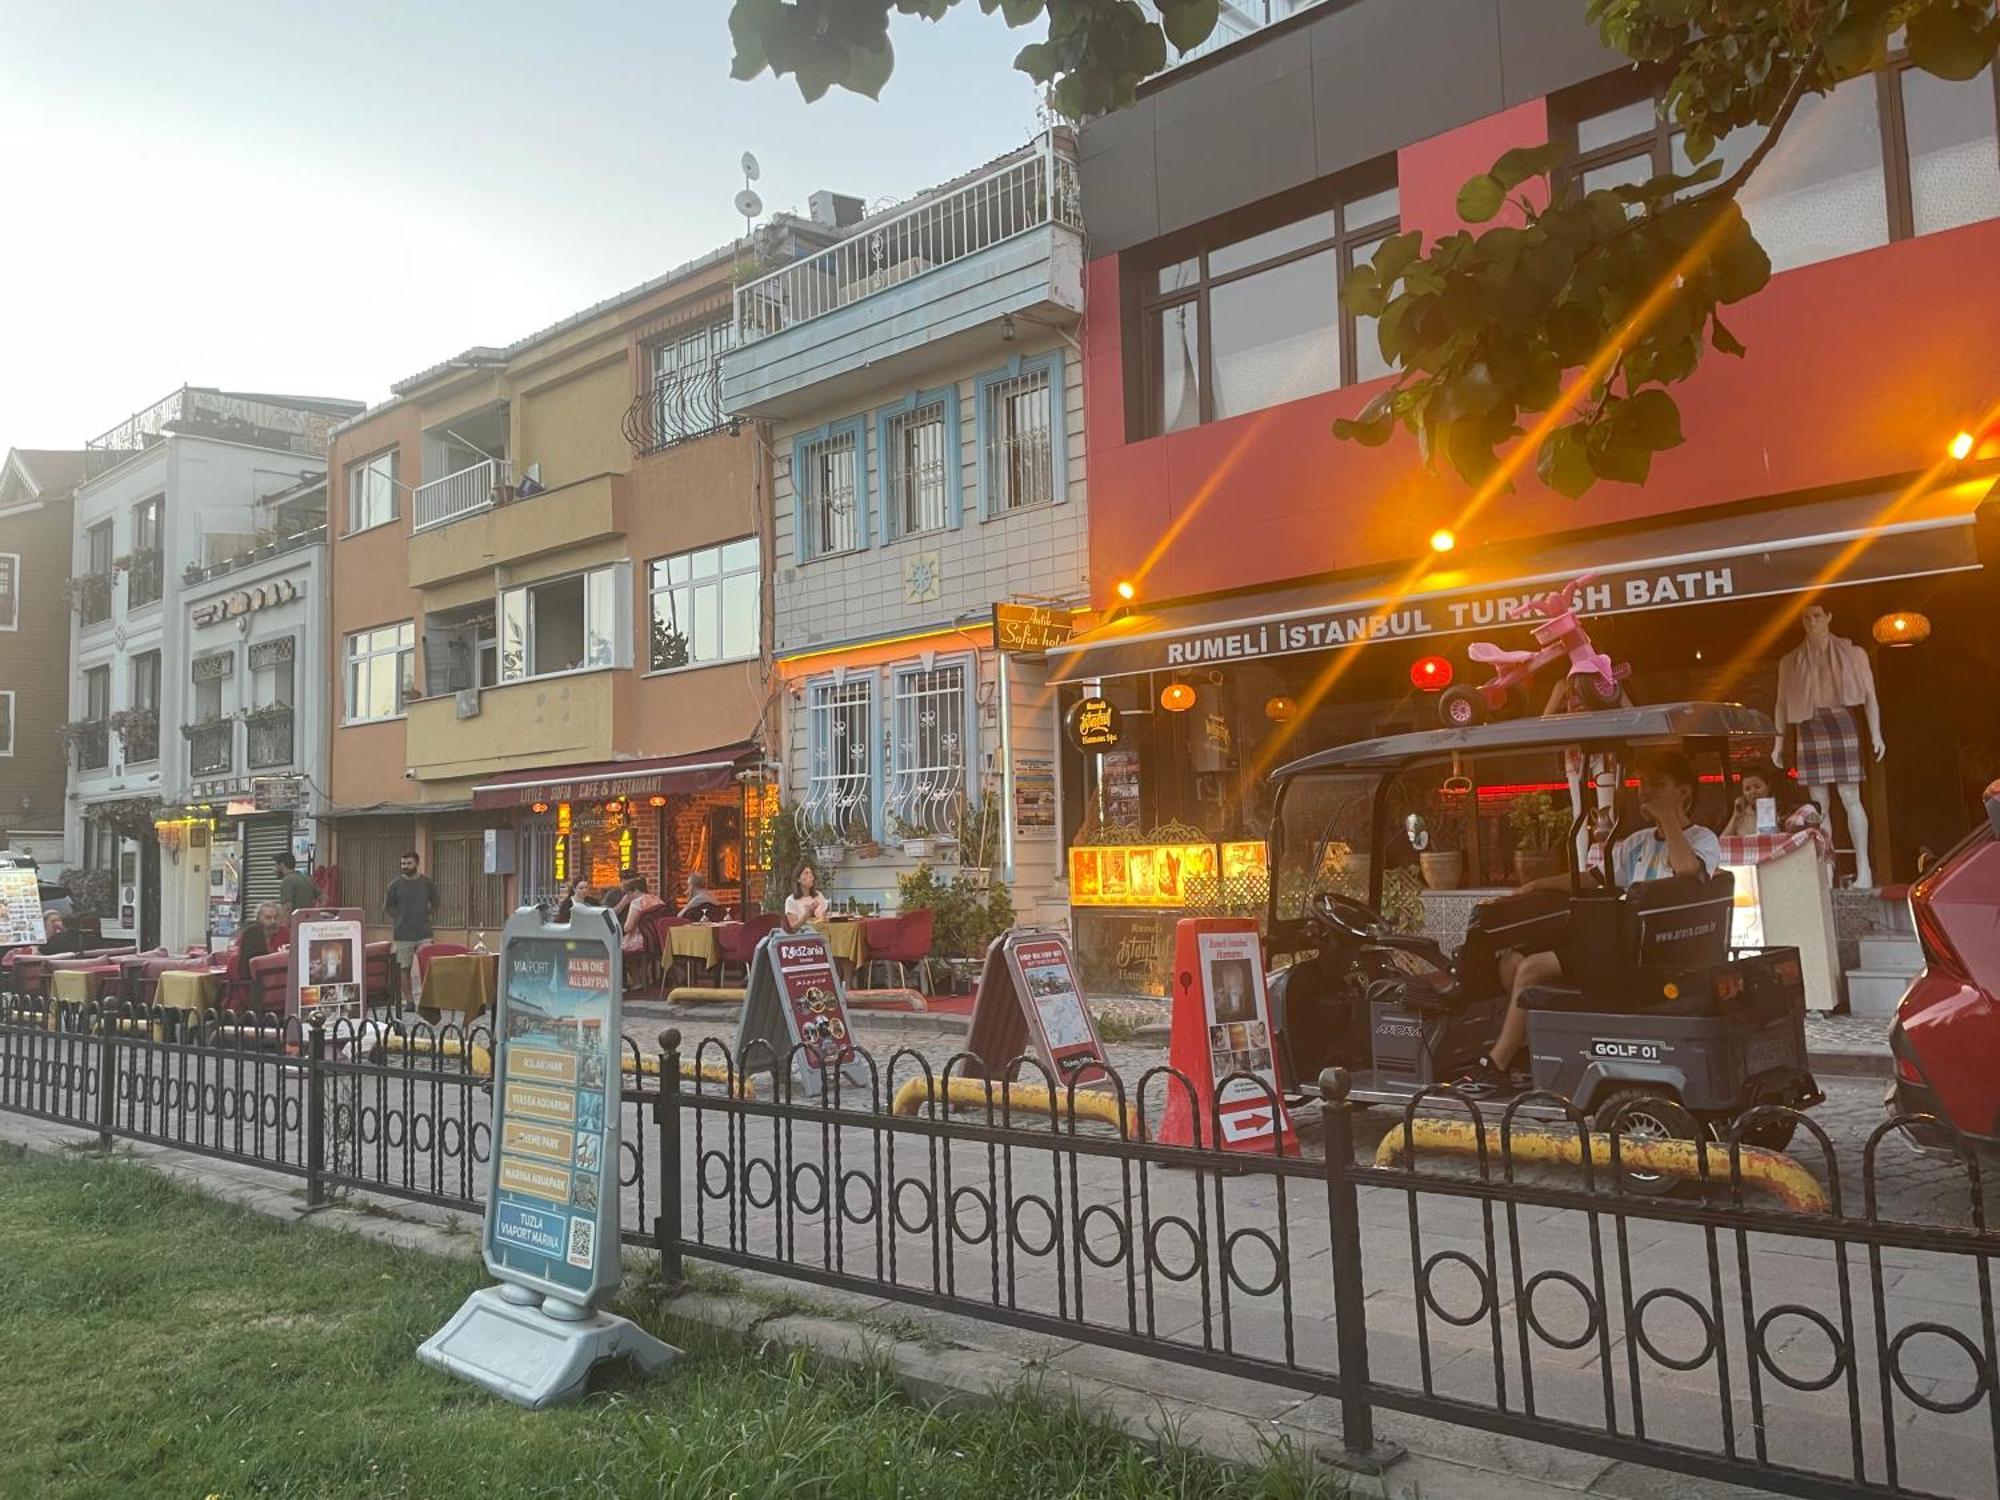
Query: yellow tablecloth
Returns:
{"type": "Point", "coordinates": [846, 941]}
{"type": "Point", "coordinates": [697, 941]}
{"type": "Point", "coordinates": [461, 982]}
{"type": "Point", "coordinates": [188, 989]}
{"type": "Point", "coordinates": [72, 984]}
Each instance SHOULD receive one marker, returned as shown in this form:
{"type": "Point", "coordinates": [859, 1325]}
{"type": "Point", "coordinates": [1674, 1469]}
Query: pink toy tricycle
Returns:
{"type": "Point", "coordinates": [1596, 677]}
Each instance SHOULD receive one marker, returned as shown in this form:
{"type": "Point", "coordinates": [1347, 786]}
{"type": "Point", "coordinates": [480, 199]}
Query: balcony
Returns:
{"type": "Point", "coordinates": [269, 738]}
{"type": "Point", "coordinates": [677, 408]}
{"type": "Point", "coordinates": [211, 747]}
{"type": "Point", "coordinates": [565, 516]}
{"type": "Point", "coordinates": [913, 291]}
{"type": "Point", "coordinates": [298, 426]}
{"type": "Point", "coordinates": [90, 740]}
{"type": "Point", "coordinates": [456, 496]}
{"type": "Point", "coordinates": [542, 722]}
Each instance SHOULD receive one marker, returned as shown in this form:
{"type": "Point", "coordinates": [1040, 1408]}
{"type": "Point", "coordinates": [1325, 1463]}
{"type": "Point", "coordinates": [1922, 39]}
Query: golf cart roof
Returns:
{"type": "Point", "coordinates": [1651, 723]}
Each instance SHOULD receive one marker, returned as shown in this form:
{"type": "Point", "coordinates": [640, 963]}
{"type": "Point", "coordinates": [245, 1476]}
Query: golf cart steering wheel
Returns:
{"type": "Point", "coordinates": [1351, 919]}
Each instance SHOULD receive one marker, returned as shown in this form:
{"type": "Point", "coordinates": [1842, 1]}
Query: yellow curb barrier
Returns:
{"type": "Point", "coordinates": [708, 1072]}
{"type": "Point", "coordinates": [1789, 1182]}
{"type": "Point", "coordinates": [1020, 1098]}
{"type": "Point", "coordinates": [689, 994]}
{"type": "Point", "coordinates": [886, 1000]}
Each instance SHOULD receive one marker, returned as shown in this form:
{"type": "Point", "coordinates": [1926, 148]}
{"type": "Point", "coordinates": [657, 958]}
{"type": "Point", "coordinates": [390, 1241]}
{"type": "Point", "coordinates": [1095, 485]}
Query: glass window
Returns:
{"type": "Point", "coordinates": [96, 693]}
{"type": "Point", "coordinates": [565, 624]}
{"type": "Point", "coordinates": [371, 491]}
{"type": "Point", "coordinates": [828, 490]}
{"type": "Point", "coordinates": [915, 475]}
{"type": "Point", "coordinates": [6, 723]}
{"type": "Point", "coordinates": [381, 671]}
{"type": "Point", "coordinates": [1822, 192]}
{"type": "Point", "coordinates": [141, 739]}
{"type": "Point", "coordinates": [1272, 244]}
{"type": "Point", "coordinates": [1020, 442]}
{"type": "Point", "coordinates": [1619, 124]}
{"type": "Point", "coordinates": [142, 581]}
{"type": "Point", "coordinates": [1954, 158]}
{"type": "Point", "coordinates": [705, 606]}
{"type": "Point", "coordinates": [930, 749]}
{"type": "Point", "coordinates": [840, 794]}
{"type": "Point", "coordinates": [10, 590]}
{"type": "Point", "coordinates": [1275, 335]}
{"type": "Point", "coordinates": [1176, 367]}
{"type": "Point", "coordinates": [94, 603]}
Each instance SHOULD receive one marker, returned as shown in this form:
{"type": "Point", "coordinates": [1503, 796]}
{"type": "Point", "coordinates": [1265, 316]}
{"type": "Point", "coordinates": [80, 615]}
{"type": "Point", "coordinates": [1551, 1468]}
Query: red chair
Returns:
{"type": "Point", "coordinates": [652, 934]}
{"type": "Point", "coordinates": [902, 940]}
{"type": "Point", "coordinates": [378, 964]}
{"type": "Point", "coordinates": [738, 942]}
{"type": "Point", "coordinates": [269, 975]}
{"type": "Point", "coordinates": [425, 953]}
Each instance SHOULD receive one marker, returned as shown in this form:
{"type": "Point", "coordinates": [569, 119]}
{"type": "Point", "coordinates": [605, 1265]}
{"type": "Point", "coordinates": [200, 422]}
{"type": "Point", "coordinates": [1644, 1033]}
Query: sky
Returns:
{"type": "Point", "coordinates": [274, 195]}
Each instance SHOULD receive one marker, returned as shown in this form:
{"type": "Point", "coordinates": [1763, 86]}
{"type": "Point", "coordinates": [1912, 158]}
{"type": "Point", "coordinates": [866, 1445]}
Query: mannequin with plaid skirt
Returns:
{"type": "Point", "coordinates": [1826, 695]}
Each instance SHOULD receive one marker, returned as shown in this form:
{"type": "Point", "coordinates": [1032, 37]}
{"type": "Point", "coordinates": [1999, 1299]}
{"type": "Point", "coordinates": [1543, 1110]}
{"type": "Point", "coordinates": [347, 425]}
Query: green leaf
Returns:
{"type": "Point", "coordinates": [1372, 425]}
{"type": "Point", "coordinates": [1020, 12]}
{"type": "Point", "coordinates": [1739, 265]}
{"type": "Point", "coordinates": [1613, 455]}
{"type": "Point", "coordinates": [1481, 198]}
{"type": "Point", "coordinates": [1574, 333]}
{"type": "Point", "coordinates": [1949, 42]}
{"type": "Point", "coordinates": [1188, 23]}
{"type": "Point", "coordinates": [1037, 60]}
{"type": "Point", "coordinates": [1517, 166]}
{"type": "Point", "coordinates": [1469, 451]}
{"type": "Point", "coordinates": [868, 69]}
{"type": "Point", "coordinates": [1855, 43]}
{"type": "Point", "coordinates": [1395, 253]}
{"type": "Point", "coordinates": [1652, 417]}
{"type": "Point", "coordinates": [1562, 464]}
{"type": "Point", "coordinates": [1722, 338]}
{"type": "Point", "coordinates": [1361, 293]}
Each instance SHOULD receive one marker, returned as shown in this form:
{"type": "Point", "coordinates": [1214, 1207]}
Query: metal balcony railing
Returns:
{"type": "Point", "coordinates": [270, 740]}
{"type": "Point", "coordinates": [1025, 194]}
{"type": "Point", "coordinates": [462, 494]}
{"type": "Point", "coordinates": [93, 747]}
{"type": "Point", "coordinates": [211, 748]}
{"type": "Point", "coordinates": [676, 408]}
{"type": "Point", "coordinates": [213, 413]}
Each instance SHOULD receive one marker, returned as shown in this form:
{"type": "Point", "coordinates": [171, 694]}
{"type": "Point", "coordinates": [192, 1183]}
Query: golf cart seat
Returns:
{"type": "Point", "coordinates": [1529, 922]}
{"type": "Point", "coordinates": [1617, 938]}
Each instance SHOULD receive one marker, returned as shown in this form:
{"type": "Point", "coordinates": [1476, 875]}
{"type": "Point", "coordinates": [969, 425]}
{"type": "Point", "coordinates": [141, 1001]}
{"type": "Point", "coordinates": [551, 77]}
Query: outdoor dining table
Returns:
{"type": "Point", "coordinates": [191, 990]}
{"type": "Point", "coordinates": [82, 985]}
{"type": "Point", "coordinates": [697, 942]}
{"type": "Point", "coordinates": [462, 983]}
{"type": "Point", "coordinates": [846, 939]}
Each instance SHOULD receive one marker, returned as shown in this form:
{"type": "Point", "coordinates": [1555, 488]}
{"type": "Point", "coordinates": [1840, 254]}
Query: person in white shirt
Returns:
{"type": "Point", "coordinates": [807, 903]}
{"type": "Point", "coordinates": [1673, 845]}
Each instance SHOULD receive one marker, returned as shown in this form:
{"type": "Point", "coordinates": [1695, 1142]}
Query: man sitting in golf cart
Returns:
{"type": "Point", "coordinates": [1672, 845]}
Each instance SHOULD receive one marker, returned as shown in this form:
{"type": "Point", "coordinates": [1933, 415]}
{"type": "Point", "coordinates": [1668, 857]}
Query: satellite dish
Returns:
{"type": "Point", "coordinates": [749, 204]}
{"type": "Point", "coordinates": [750, 168]}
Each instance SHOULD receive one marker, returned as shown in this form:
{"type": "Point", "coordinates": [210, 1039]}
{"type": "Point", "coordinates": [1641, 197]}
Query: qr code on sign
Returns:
{"type": "Point", "coordinates": [582, 1241]}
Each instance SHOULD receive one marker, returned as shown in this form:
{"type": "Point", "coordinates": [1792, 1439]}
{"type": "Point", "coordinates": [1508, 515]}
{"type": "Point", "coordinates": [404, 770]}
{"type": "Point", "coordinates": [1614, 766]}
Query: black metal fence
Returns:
{"type": "Point", "coordinates": [1843, 1352]}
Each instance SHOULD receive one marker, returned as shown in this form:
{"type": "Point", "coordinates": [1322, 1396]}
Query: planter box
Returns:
{"type": "Point", "coordinates": [1444, 869]}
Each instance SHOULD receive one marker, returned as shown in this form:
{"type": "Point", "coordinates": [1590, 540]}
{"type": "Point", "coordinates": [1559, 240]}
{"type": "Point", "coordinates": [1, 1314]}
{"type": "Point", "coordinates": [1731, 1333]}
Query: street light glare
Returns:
{"type": "Point", "coordinates": [1442, 540]}
{"type": "Point", "coordinates": [1125, 590]}
{"type": "Point", "coordinates": [1961, 447]}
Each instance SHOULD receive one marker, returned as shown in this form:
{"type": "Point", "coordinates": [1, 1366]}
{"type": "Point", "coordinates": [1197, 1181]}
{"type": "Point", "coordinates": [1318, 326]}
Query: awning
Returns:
{"type": "Point", "coordinates": [699, 771]}
{"type": "Point", "coordinates": [1744, 555]}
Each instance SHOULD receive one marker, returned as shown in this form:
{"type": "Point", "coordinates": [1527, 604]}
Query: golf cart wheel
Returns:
{"type": "Point", "coordinates": [1461, 707]}
{"type": "Point", "coordinates": [1651, 1117]}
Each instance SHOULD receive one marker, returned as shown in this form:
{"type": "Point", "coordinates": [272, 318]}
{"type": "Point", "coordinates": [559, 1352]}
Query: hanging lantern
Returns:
{"type": "Point", "coordinates": [1903, 628]}
{"type": "Point", "coordinates": [1431, 673]}
{"type": "Point", "coordinates": [1177, 697]}
{"type": "Point", "coordinates": [656, 800]}
{"type": "Point", "coordinates": [538, 808]}
{"type": "Point", "coordinates": [1280, 710]}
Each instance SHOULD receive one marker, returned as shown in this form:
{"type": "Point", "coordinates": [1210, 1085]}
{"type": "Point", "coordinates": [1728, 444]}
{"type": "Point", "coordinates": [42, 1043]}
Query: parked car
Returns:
{"type": "Point", "coordinates": [1946, 1035]}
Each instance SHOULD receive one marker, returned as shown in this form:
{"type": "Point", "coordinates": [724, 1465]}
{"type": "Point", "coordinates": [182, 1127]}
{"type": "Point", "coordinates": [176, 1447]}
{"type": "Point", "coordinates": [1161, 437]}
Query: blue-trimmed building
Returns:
{"type": "Point", "coordinates": [920, 385]}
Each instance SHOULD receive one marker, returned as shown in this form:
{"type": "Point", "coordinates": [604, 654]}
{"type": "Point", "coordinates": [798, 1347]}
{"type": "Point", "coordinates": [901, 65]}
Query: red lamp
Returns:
{"type": "Point", "coordinates": [1431, 673]}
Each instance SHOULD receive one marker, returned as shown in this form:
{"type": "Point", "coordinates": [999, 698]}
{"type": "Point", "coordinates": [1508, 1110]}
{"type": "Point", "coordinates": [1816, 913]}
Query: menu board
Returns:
{"type": "Point", "coordinates": [1028, 993]}
{"type": "Point", "coordinates": [819, 1020]}
{"type": "Point", "coordinates": [1055, 1003]}
{"type": "Point", "coordinates": [795, 1014]}
{"type": "Point", "coordinates": [21, 907]}
{"type": "Point", "coordinates": [1239, 1035]}
{"type": "Point", "coordinates": [329, 981]}
{"type": "Point", "coordinates": [555, 1185]}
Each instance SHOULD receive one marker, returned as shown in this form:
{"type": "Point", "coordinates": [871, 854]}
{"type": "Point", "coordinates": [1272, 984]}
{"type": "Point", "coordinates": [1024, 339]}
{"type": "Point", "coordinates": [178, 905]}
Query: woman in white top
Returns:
{"type": "Point", "coordinates": [806, 903]}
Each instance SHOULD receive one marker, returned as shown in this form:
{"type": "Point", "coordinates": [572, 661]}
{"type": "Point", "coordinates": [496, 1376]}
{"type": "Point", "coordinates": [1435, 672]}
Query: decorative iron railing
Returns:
{"type": "Point", "coordinates": [677, 408]}
{"type": "Point", "coordinates": [269, 739]}
{"type": "Point", "coordinates": [212, 748]}
{"type": "Point", "coordinates": [1023, 195]}
{"type": "Point", "coordinates": [211, 413]}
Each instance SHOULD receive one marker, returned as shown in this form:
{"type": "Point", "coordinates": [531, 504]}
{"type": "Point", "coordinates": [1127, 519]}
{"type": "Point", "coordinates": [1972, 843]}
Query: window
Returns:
{"type": "Point", "coordinates": [468, 898]}
{"type": "Point", "coordinates": [141, 737]}
{"type": "Point", "coordinates": [270, 706]}
{"type": "Point", "coordinates": [371, 491]}
{"type": "Point", "coordinates": [841, 790]}
{"type": "Point", "coordinates": [94, 749]}
{"type": "Point", "coordinates": [918, 448]}
{"type": "Point", "coordinates": [1233, 326]}
{"type": "Point", "coordinates": [95, 605]}
{"type": "Point", "coordinates": [100, 845]}
{"type": "Point", "coordinates": [1017, 416]}
{"type": "Point", "coordinates": [381, 667]}
{"type": "Point", "coordinates": [10, 591]}
{"type": "Point", "coordinates": [570, 624]}
{"type": "Point", "coordinates": [686, 396]}
{"type": "Point", "coordinates": [929, 747]}
{"type": "Point", "coordinates": [1886, 155]}
{"type": "Point", "coordinates": [142, 581]}
{"type": "Point", "coordinates": [6, 723]}
{"type": "Point", "coordinates": [706, 606]}
{"type": "Point", "coordinates": [826, 474]}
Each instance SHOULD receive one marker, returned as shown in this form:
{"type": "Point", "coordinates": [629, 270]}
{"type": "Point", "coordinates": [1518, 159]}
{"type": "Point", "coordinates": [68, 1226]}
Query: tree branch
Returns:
{"type": "Point", "coordinates": [1733, 183]}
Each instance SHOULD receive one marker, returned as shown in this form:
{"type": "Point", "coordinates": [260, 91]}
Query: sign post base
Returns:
{"type": "Point", "coordinates": [520, 1353]}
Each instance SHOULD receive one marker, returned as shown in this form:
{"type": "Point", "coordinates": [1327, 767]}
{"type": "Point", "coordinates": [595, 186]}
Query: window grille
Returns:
{"type": "Point", "coordinates": [930, 749]}
{"type": "Point", "coordinates": [841, 793]}
{"type": "Point", "coordinates": [828, 490]}
{"type": "Point", "coordinates": [1020, 451]}
{"type": "Point", "coordinates": [915, 460]}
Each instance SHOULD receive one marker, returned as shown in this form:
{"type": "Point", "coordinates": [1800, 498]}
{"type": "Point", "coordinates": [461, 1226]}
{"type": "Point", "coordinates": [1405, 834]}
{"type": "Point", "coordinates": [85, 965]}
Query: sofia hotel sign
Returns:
{"type": "Point", "coordinates": [1744, 557]}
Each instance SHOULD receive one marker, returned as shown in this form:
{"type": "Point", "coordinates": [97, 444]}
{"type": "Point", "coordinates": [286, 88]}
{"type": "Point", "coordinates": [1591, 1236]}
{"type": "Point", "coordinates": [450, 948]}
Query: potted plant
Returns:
{"type": "Point", "coordinates": [977, 834]}
{"type": "Point", "coordinates": [824, 840]}
{"type": "Point", "coordinates": [916, 840]}
{"type": "Point", "coordinates": [1443, 859]}
{"type": "Point", "coordinates": [1539, 827]}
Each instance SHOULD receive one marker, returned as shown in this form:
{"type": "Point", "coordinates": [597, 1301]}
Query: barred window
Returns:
{"type": "Point", "coordinates": [915, 475]}
{"type": "Point", "coordinates": [468, 897]}
{"type": "Point", "coordinates": [1020, 444]}
{"type": "Point", "coordinates": [829, 489]}
{"type": "Point", "coordinates": [841, 793]}
{"type": "Point", "coordinates": [929, 747]}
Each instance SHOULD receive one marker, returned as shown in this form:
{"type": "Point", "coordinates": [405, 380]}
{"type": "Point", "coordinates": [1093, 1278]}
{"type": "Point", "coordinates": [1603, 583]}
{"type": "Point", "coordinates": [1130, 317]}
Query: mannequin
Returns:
{"type": "Point", "coordinates": [1567, 698]}
{"type": "Point", "coordinates": [1822, 682]}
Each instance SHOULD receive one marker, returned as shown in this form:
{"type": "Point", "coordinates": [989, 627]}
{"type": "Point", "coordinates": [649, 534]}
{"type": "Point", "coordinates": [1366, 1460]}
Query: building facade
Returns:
{"type": "Point", "coordinates": [1285, 590]}
{"type": "Point", "coordinates": [166, 493]}
{"type": "Point", "coordinates": [550, 633]}
{"type": "Point", "coordinates": [919, 385]}
{"type": "Point", "coordinates": [36, 486]}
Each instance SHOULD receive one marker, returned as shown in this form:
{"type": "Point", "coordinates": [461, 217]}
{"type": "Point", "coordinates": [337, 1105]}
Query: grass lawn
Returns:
{"type": "Point", "coordinates": [153, 1343]}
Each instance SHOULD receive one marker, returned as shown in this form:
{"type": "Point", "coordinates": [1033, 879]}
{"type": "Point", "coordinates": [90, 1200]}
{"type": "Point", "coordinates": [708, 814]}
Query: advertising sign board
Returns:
{"type": "Point", "coordinates": [1223, 1041]}
{"type": "Point", "coordinates": [795, 1013]}
{"type": "Point", "coordinates": [21, 907]}
{"type": "Point", "coordinates": [1029, 992]}
{"type": "Point", "coordinates": [328, 979]}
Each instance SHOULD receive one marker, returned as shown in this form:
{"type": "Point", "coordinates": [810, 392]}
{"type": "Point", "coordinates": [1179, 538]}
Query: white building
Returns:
{"type": "Point", "coordinates": [921, 387]}
{"type": "Point", "coordinates": [167, 492]}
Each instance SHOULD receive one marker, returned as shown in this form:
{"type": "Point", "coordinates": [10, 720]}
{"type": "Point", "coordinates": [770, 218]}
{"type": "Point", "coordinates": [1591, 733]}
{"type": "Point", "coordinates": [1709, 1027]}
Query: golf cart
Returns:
{"type": "Point", "coordinates": [1657, 1021]}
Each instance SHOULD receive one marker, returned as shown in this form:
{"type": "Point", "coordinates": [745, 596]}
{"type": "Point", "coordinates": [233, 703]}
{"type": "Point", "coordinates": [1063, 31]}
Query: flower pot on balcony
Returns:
{"type": "Point", "coordinates": [827, 856]}
{"type": "Point", "coordinates": [917, 848]}
{"type": "Point", "coordinates": [1444, 869]}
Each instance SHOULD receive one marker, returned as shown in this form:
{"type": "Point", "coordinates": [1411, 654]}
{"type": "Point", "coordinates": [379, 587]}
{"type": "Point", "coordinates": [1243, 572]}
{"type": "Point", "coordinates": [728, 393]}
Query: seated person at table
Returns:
{"type": "Point", "coordinates": [621, 895]}
{"type": "Point", "coordinates": [807, 902]}
{"type": "Point", "coordinates": [259, 938]}
{"type": "Point", "coordinates": [701, 903]}
{"type": "Point", "coordinates": [1757, 781]}
{"type": "Point", "coordinates": [1671, 845]}
{"type": "Point", "coordinates": [638, 900]}
{"type": "Point", "coordinates": [62, 938]}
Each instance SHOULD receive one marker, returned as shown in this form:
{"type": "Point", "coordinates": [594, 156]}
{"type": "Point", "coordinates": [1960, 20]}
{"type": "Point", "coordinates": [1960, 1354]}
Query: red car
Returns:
{"type": "Point", "coordinates": [1946, 1035]}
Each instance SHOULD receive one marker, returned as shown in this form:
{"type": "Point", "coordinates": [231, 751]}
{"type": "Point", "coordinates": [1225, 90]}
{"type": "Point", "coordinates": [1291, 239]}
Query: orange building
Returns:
{"type": "Point", "coordinates": [550, 626]}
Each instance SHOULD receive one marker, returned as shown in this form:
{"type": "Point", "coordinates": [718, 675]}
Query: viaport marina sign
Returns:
{"type": "Point", "coordinates": [1447, 615]}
